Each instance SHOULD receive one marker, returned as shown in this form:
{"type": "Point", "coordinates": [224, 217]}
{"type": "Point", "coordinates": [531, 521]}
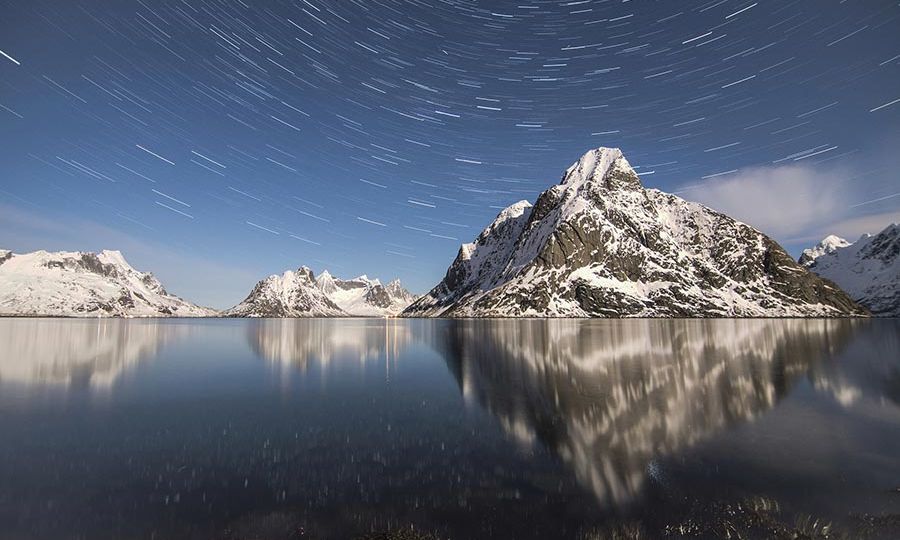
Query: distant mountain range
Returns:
{"type": "Point", "coordinates": [82, 284]}
{"type": "Point", "coordinates": [85, 284]}
{"type": "Point", "coordinates": [598, 244]}
{"type": "Point", "coordinates": [300, 294]}
{"type": "Point", "coordinates": [868, 269]}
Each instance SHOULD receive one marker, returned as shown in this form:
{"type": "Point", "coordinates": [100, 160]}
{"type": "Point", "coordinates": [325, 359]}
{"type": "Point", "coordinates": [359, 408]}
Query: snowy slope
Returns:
{"type": "Point", "coordinates": [302, 294]}
{"type": "Point", "coordinates": [365, 297]}
{"type": "Point", "coordinates": [599, 244]}
{"type": "Point", "coordinates": [828, 245]}
{"type": "Point", "coordinates": [83, 284]}
{"type": "Point", "coordinates": [868, 269]}
{"type": "Point", "coordinates": [292, 294]}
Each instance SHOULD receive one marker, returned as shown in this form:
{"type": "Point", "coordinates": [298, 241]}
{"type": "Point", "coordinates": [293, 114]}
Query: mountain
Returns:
{"type": "Point", "coordinates": [292, 294]}
{"type": "Point", "coordinates": [600, 245]}
{"type": "Point", "coordinates": [83, 284]}
{"type": "Point", "coordinates": [362, 296]}
{"type": "Point", "coordinates": [301, 294]}
{"type": "Point", "coordinates": [868, 269]}
{"type": "Point", "coordinates": [828, 245]}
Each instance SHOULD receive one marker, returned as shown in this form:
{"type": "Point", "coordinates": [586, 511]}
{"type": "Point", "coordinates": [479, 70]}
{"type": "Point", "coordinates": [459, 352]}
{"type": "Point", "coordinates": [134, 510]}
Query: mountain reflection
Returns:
{"type": "Point", "coordinates": [608, 397]}
{"type": "Point", "coordinates": [77, 354]}
{"type": "Point", "coordinates": [299, 343]}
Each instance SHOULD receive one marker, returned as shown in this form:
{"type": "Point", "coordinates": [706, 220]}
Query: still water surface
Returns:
{"type": "Point", "coordinates": [464, 429]}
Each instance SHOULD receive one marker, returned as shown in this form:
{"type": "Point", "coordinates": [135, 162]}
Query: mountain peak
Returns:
{"type": "Point", "coordinates": [394, 283]}
{"type": "Point", "coordinates": [512, 211]}
{"type": "Point", "coordinates": [829, 244]}
{"type": "Point", "coordinates": [113, 256]}
{"type": "Point", "coordinates": [84, 283]}
{"type": "Point", "coordinates": [326, 282]}
{"type": "Point", "coordinates": [599, 244]}
{"type": "Point", "coordinates": [868, 269]}
{"type": "Point", "coordinates": [832, 240]}
{"type": "Point", "coordinates": [302, 294]}
{"type": "Point", "coordinates": [604, 166]}
{"type": "Point", "coordinates": [306, 272]}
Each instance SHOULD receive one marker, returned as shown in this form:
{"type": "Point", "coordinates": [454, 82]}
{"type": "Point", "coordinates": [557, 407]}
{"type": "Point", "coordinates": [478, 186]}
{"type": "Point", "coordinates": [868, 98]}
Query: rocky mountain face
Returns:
{"type": "Point", "coordinates": [363, 296]}
{"type": "Point", "coordinates": [302, 294]}
{"type": "Point", "coordinates": [600, 245]}
{"type": "Point", "coordinates": [868, 269]}
{"type": "Point", "coordinates": [828, 245]}
{"type": "Point", "coordinates": [83, 284]}
{"type": "Point", "coordinates": [292, 294]}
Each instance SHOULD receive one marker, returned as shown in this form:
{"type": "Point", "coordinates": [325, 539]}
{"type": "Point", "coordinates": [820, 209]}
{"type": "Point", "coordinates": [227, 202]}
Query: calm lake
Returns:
{"type": "Point", "coordinates": [461, 429]}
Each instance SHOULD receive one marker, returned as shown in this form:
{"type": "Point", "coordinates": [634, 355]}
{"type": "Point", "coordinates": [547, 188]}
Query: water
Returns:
{"type": "Point", "coordinates": [462, 429]}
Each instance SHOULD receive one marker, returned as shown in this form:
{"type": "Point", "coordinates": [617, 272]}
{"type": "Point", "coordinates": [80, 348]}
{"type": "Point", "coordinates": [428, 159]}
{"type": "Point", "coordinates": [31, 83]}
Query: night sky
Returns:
{"type": "Point", "coordinates": [216, 142]}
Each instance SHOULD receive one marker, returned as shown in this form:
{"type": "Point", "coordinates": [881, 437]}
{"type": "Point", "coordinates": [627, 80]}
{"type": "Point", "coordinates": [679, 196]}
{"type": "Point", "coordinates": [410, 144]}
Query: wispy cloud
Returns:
{"type": "Point", "coordinates": [796, 204]}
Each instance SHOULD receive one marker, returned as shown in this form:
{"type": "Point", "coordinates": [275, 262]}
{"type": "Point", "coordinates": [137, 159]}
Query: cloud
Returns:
{"type": "Point", "coordinates": [852, 228]}
{"type": "Point", "coordinates": [796, 204]}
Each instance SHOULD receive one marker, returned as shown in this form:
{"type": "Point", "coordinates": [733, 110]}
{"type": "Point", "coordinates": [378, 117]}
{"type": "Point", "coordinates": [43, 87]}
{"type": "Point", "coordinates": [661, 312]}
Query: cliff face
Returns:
{"type": "Point", "coordinates": [599, 244]}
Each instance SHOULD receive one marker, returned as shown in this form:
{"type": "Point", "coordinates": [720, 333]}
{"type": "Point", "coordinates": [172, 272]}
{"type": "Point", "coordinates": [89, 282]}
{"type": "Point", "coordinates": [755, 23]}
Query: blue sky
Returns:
{"type": "Point", "coordinates": [215, 143]}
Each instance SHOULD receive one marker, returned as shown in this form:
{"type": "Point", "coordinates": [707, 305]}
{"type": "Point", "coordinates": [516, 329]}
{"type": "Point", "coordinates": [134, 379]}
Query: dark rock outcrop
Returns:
{"type": "Point", "coordinates": [600, 245]}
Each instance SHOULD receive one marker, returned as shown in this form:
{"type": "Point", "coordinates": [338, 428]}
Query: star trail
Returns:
{"type": "Point", "coordinates": [375, 136]}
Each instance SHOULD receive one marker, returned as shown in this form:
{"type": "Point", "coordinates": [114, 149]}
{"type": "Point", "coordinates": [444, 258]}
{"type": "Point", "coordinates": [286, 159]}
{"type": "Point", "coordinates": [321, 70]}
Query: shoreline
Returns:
{"type": "Point", "coordinates": [206, 317]}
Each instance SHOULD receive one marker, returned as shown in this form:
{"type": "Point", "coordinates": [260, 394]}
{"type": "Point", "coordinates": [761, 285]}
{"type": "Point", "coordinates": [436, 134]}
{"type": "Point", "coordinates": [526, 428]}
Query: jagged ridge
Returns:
{"type": "Point", "coordinates": [599, 244]}
{"type": "Point", "coordinates": [84, 284]}
{"type": "Point", "coordinates": [868, 269]}
{"type": "Point", "coordinates": [302, 294]}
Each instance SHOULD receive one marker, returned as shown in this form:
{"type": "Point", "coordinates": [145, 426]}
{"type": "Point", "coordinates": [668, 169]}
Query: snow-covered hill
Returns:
{"type": "Point", "coordinates": [83, 284]}
{"type": "Point", "coordinates": [828, 245]}
{"type": "Point", "coordinates": [599, 244]}
{"type": "Point", "coordinates": [292, 294]}
{"type": "Point", "coordinates": [365, 297]}
{"type": "Point", "coordinates": [868, 269]}
{"type": "Point", "coordinates": [302, 294]}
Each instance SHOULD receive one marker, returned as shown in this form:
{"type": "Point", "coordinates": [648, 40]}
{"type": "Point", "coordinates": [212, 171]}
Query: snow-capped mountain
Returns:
{"type": "Point", "coordinates": [302, 294]}
{"type": "Point", "coordinates": [828, 245]}
{"type": "Point", "coordinates": [365, 297]}
{"type": "Point", "coordinates": [868, 269]}
{"type": "Point", "coordinates": [599, 244]}
{"type": "Point", "coordinates": [292, 294]}
{"type": "Point", "coordinates": [84, 284]}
